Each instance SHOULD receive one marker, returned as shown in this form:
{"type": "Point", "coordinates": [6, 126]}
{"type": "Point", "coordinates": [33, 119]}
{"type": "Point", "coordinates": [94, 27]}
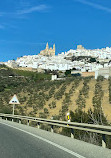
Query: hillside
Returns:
{"type": "Point", "coordinates": [41, 97]}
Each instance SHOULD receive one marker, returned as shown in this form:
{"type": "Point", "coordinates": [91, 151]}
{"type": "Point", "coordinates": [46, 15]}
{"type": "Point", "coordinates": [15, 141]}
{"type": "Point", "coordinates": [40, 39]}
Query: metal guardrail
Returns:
{"type": "Point", "coordinates": [104, 130]}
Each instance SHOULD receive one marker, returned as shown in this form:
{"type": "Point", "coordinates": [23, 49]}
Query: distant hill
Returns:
{"type": "Point", "coordinates": [41, 97]}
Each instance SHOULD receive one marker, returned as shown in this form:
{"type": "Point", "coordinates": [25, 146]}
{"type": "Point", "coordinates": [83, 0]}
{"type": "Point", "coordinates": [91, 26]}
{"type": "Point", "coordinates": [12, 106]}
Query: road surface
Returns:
{"type": "Point", "coordinates": [21, 141]}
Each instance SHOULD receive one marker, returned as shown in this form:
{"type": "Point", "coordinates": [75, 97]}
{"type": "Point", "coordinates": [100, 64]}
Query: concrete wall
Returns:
{"type": "Point", "coordinates": [105, 72]}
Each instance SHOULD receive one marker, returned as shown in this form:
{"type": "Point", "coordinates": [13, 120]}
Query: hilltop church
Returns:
{"type": "Point", "coordinates": [48, 51]}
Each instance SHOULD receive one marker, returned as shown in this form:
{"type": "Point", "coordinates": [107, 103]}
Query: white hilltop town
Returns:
{"type": "Point", "coordinates": [85, 62]}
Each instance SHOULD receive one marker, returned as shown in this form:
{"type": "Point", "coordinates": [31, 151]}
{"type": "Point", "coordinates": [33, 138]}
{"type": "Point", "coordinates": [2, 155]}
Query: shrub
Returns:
{"type": "Point", "coordinates": [46, 111]}
{"type": "Point", "coordinates": [52, 105]}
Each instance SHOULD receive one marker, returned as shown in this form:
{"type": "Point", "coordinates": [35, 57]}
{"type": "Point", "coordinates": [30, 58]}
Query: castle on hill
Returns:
{"type": "Point", "coordinates": [48, 51]}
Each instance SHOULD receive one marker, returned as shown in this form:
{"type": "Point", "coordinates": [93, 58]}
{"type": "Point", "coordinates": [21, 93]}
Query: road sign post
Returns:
{"type": "Point", "coordinates": [14, 101]}
{"type": "Point", "coordinates": [68, 117]}
{"type": "Point", "coordinates": [13, 108]}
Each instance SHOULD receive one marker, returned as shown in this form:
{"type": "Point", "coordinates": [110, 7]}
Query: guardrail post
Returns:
{"type": "Point", "coordinates": [19, 121]}
{"type": "Point", "coordinates": [52, 130]}
{"type": "Point", "coordinates": [6, 118]}
{"type": "Point", "coordinates": [12, 119]}
{"type": "Point", "coordinates": [72, 133]}
{"type": "Point", "coordinates": [103, 141]}
{"type": "Point", "coordinates": [28, 122]}
{"type": "Point", "coordinates": [38, 125]}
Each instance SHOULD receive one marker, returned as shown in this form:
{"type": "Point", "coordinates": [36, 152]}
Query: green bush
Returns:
{"type": "Point", "coordinates": [46, 111]}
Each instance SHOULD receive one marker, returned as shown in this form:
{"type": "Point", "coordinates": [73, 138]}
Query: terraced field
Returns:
{"type": "Point", "coordinates": [46, 98]}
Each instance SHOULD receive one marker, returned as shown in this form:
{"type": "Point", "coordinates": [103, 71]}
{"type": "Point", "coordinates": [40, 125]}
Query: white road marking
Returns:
{"type": "Point", "coordinates": [48, 141]}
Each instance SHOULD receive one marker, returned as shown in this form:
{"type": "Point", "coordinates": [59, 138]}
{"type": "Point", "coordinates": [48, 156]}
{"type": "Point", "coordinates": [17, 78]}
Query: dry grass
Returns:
{"type": "Point", "coordinates": [105, 102]}
{"type": "Point", "coordinates": [74, 97]}
{"type": "Point", "coordinates": [55, 111]}
{"type": "Point", "coordinates": [91, 95]}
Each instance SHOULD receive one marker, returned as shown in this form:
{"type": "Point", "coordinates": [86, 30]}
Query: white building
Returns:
{"type": "Point", "coordinates": [60, 63]}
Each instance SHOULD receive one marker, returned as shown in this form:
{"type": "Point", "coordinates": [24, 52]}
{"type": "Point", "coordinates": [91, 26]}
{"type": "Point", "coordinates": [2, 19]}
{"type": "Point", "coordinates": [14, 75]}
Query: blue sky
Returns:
{"type": "Point", "coordinates": [27, 25]}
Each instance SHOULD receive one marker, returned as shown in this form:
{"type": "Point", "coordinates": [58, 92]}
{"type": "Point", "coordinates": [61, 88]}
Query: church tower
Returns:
{"type": "Point", "coordinates": [54, 47]}
{"type": "Point", "coordinates": [47, 46]}
{"type": "Point", "coordinates": [53, 50]}
{"type": "Point", "coordinates": [48, 51]}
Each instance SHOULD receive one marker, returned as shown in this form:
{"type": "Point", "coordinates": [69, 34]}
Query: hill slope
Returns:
{"type": "Point", "coordinates": [44, 98]}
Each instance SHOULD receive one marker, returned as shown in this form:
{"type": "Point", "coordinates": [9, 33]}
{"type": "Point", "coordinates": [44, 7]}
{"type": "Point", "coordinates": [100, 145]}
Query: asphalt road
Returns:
{"type": "Point", "coordinates": [21, 141]}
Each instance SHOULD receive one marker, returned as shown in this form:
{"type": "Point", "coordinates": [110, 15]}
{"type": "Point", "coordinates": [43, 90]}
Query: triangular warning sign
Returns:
{"type": "Point", "coordinates": [14, 100]}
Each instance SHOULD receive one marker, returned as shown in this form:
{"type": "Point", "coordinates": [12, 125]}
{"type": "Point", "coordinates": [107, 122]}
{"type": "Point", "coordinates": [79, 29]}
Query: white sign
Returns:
{"type": "Point", "coordinates": [14, 100]}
